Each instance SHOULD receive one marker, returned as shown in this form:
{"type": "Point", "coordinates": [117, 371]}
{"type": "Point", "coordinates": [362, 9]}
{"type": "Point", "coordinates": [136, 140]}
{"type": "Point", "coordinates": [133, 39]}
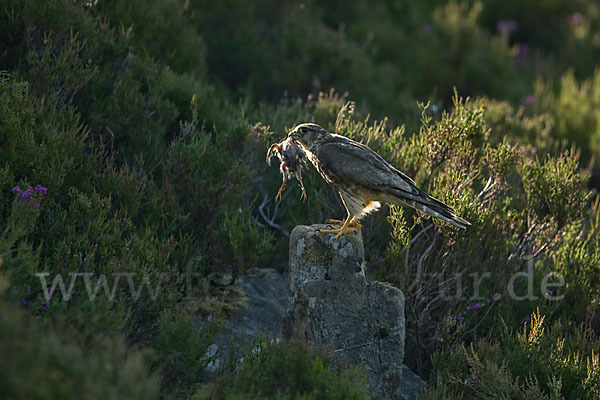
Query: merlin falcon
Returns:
{"type": "Point", "coordinates": [363, 178]}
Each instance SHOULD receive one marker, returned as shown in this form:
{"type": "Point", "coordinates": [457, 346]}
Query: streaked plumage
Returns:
{"type": "Point", "coordinates": [363, 178]}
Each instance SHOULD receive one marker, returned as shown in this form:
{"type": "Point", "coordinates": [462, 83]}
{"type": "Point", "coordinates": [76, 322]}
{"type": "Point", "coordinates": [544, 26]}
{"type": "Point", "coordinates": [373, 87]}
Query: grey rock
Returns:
{"type": "Point", "coordinates": [266, 300]}
{"type": "Point", "coordinates": [212, 352]}
{"type": "Point", "coordinates": [333, 304]}
{"type": "Point", "coordinates": [412, 385]}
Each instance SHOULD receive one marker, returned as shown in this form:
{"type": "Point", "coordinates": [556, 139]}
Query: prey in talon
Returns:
{"type": "Point", "coordinates": [292, 160]}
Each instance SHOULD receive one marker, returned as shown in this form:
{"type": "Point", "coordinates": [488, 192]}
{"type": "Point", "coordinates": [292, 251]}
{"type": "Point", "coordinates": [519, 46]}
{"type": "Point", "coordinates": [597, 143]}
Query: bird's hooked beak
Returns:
{"type": "Point", "coordinates": [294, 134]}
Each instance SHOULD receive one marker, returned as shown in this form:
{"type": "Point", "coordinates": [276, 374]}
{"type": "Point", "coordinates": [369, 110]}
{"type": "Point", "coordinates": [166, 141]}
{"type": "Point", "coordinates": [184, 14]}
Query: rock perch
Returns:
{"type": "Point", "coordinates": [333, 304]}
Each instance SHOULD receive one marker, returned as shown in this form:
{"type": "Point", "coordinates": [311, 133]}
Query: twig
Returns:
{"type": "Point", "coordinates": [422, 259]}
{"type": "Point", "coordinates": [353, 347]}
{"type": "Point", "coordinates": [488, 186]}
{"type": "Point", "coordinates": [545, 245]}
{"type": "Point", "coordinates": [270, 221]}
{"type": "Point", "coordinates": [524, 241]}
{"type": "Point", "coordinates": [413, 240]}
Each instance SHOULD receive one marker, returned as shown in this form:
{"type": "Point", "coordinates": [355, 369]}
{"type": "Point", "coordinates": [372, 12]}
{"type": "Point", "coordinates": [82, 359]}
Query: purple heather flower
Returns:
{"type": "Point", "coordinates": [31, 194]}
{"type": "Point", "coordinates": [534, 151]}
{"type": "Point", "coordinates": [41, 189]}
{"type": "Point", "coordinates": [489, 300]}
{"type": "Point", "coordinates": [468, 308]}
{"type": "Point", "coordinates": [24, 302]}
{"type": "Point", "coordinates": [28, 288]}
{"type": "Point", "coordinates": [549, 292]}
{"type": "Point", "coordinates": [478, 306]}
{"type": "Point", "coordinates": [47, 304]}
{"type": "Point", "coordinates": [506, 26]}
{"type": "Point", "coordinates": [528, 100]}
{"type": "Point", "coordinates": [501, 258]}
{"type": "Point", "coordinates": [51, 290]}
{"type": "Point", "coordinates": [461, 318]}
{"type": "Point", "coordinates": [576, 19]}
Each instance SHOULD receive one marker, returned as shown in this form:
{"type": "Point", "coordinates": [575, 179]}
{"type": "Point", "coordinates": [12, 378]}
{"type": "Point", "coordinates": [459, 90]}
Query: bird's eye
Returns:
{"type": "Point", "coordinates": [303, 130]}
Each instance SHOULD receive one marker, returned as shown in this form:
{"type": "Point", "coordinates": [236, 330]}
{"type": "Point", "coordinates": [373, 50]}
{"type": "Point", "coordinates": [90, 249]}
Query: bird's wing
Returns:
{"type": "Point", "coordinates": [349, 162]}
{"type": "Point", "coordinates": [353, 163]}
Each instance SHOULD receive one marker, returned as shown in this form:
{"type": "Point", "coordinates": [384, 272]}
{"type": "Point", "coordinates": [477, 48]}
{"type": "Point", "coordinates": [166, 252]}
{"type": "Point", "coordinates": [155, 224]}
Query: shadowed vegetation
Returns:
{"type": "Point", "coordinates": [147, 122]}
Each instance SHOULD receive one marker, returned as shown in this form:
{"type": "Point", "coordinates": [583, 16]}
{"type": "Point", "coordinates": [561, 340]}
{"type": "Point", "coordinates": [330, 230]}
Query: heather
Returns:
{"type": "Point", "coordinates": [132, 143]}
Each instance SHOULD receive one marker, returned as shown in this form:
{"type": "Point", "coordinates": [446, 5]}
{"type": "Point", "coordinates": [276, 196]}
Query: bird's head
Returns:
{"type": "Point", "coordinates": [308, 135]}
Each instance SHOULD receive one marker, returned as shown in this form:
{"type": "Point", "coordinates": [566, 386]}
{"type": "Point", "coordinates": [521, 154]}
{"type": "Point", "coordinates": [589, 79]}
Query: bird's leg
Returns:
{"type": "Point", "coordinates": [281, 189]}
{"type": "Point", "coordinates": [353, 220]}
{"type": "Point", "coordinates": [344, 230]}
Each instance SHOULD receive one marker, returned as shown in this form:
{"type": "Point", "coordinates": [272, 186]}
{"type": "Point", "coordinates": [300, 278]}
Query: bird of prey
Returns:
{"type": "Point", "coordinates": [363, 178]}
{"type": "Point", "coordinates": [292, 160]}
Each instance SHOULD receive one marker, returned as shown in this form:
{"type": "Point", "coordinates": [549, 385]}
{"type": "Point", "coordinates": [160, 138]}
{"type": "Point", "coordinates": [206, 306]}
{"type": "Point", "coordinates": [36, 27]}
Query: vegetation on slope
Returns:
{"type": "Point", "coordinates": [141, 129]}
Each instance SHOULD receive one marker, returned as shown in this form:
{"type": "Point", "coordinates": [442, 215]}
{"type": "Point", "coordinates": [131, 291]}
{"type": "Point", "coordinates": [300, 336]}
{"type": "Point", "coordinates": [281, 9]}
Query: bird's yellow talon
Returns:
{"type": "Point", "coordinates": [344, 230]}
{"type": "Point", "coordinates": [339, 231]}
{"type": "Point", "coordinates": [354, 223]}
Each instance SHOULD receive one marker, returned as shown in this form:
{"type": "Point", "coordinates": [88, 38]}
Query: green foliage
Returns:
{"type": "Point", "coordinates": [131, 188]}
{"type": "Point", "coordinates": [248, 242]}
{"type": "Point", "coordinates": [286, 370]}
{"type": "Point", "coordinates": [183, 348]}
{"type": "Point", "coordinates": [537, 361]}
{"type": "Point", "coordinates": [148, 123]}
{"type": "Point", "coordinates": [517, 204]}
{"type": "Point", "coordinates": [155, 27]}
{"type": "Point", "coordinates": [578, 260]}
{"type": "Point", "coordinates": [555, 188]}
{"type": "Point", "coordinates": [574, 109]}
{"type": "Point", "coordinates": [42, 362]}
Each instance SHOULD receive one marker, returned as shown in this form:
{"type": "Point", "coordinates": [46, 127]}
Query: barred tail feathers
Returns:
{"type": "Point", "coordinates": [429, 205]}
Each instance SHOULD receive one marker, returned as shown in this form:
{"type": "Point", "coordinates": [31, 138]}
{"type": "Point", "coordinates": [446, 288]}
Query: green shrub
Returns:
{"type": "Point", "coordinates": [183, 349]}
{"type": "Point", "coordinates": [574, 107]}
{"type": "Point", "coordinates": [131, 188]}
{"type": "Point", "coordinates": [148, 124]}
{"type": "Point", "coordinates": [286, 370]}
{"type": "Point", "coordinates": [162, 30]}
{"type": "Point", "coordinates": [519, 207]}
{"type": "Point", "coordinates": [44, 362]}
{"type": "Point", "coordinates": [537, 361]}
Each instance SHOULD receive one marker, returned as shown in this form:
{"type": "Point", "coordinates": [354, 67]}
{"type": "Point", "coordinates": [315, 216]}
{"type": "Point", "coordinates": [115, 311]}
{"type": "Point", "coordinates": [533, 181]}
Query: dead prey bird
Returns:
{"type": "Point", "coordinates": [292, 160]}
